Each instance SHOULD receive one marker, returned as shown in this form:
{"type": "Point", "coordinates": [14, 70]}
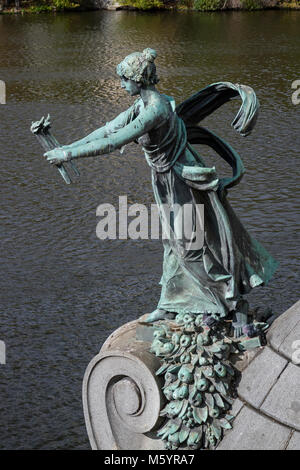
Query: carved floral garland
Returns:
{"type": "Point", "coordinates": [200, 381]}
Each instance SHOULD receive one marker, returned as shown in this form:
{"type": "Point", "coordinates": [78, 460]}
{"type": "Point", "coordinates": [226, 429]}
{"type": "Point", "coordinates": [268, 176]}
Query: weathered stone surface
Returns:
{"type": "Point", "coordinates": [260, 376]}
{"type": "Point", "coordinates": [242, 360]}
{"type": "Point", "coordinates": [122, 396]}
{"type": "Point", "coordinates": [253, 431]}
{"type": "Point", "coordinates": [283, 327]}
{"type": "Point", "coordinates": [294, 443]}
{"type": "Point", "coordinates": [144, 331]}
{"type": "Point", "coordinates": [283, 401]}
{"type": "Point", "coordinates": [236, 407]}
{"type": "Point", "coordinates": [124, 336]}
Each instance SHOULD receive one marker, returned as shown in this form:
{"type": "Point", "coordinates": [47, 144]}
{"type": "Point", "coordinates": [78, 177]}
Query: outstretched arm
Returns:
{"type": "Point", "coordinates": [120, 121]}
{"type": "Point", "coordinates": [97, 134]}
{"type": "Point", "coordinates": [149, 117]}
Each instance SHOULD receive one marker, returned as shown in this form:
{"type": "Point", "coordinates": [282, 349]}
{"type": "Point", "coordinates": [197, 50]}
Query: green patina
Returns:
{"type": "Point", "coordinates": [197, 355]}
{"type": "Point", "coordinates": [199, 381]}
{"type": "Point", "coordinates": [213, 278]}
{"type": "Point", "coordinates": [203, 282]}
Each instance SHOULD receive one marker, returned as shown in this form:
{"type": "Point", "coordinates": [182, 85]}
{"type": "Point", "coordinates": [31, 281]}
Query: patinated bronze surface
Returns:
{"type": "Point", "coordinates": [202, 287]}
{"type": "Point", "coordinates": [212, 279]}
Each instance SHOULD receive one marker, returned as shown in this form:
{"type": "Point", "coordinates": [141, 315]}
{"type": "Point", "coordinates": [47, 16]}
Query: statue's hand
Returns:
{"type": "Point", "coordinates": [57, 156]}
{"type": "Point", "coordinates": [238, 323]}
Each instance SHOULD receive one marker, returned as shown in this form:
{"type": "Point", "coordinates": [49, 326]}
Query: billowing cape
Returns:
{"type": "Point", "coordinates": [200, 105]}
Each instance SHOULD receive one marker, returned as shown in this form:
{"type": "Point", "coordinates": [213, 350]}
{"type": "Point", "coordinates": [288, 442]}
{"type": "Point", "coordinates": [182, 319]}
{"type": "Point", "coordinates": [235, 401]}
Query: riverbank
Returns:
{"type": "Point", "coordinates": [53, 6]}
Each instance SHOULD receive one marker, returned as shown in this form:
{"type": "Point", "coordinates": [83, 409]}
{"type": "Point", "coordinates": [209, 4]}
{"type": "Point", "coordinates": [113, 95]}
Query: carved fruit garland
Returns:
{"type": "Point", "coordinates": [199, 380]}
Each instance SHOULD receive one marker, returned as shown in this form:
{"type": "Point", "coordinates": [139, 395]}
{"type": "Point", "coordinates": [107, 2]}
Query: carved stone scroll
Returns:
{"type": "Point", "coordinates": [122, 396]}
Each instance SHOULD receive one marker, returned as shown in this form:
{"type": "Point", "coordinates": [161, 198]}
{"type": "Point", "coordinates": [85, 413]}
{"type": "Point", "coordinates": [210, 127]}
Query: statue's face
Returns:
{"type": "Point", "coordinates": [130, 86]}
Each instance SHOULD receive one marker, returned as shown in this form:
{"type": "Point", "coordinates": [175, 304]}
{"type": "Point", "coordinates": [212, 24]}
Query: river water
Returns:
{"type": "Point", "coordinates": [63, 291]}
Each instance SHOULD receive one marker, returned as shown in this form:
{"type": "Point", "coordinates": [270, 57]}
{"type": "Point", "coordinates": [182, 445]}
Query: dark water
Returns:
{"type": "Point", "coordinates": [62, 290]}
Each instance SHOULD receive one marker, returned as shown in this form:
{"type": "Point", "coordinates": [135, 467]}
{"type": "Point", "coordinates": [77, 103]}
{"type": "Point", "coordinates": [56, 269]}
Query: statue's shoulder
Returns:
{"type": "Point", "coordinates": [164, 104]}
{"type": "Point", "coordinates": [170, 101]}
{"type": "Point", "coordinates": [164, 101]}
{"type": "Point", "coordinates": [160, 104]}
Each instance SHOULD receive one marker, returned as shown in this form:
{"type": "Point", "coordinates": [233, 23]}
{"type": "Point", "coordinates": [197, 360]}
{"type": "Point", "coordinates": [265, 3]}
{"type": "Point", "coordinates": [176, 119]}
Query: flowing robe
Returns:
{"type": "Point", "coordinates": [213, 277]}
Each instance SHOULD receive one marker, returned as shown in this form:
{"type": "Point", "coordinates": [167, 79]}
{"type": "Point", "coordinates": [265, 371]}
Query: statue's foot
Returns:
{"type": "Point", "coordinates": [159, 314]}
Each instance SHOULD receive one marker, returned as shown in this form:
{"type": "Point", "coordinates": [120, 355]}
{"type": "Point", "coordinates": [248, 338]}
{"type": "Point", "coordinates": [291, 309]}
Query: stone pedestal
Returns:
{"type": "Point", "coordinates": [122, 396]}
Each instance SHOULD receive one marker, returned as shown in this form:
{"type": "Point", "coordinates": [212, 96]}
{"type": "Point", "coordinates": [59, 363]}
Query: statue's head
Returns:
{"type": "Point", "coordinates": [139, 67]}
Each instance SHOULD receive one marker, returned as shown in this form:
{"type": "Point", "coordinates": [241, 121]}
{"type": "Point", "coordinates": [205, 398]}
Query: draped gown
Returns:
{"type": "Point", "coordinates": [213, 277]}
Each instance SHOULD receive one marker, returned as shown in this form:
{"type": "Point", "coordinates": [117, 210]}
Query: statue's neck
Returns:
{"type": "Point", "coordinates": [147, 93]}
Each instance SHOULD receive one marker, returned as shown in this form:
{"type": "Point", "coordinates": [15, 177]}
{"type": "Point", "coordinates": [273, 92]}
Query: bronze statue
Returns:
{"type": "Point", "coordinates": [213, 279]}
